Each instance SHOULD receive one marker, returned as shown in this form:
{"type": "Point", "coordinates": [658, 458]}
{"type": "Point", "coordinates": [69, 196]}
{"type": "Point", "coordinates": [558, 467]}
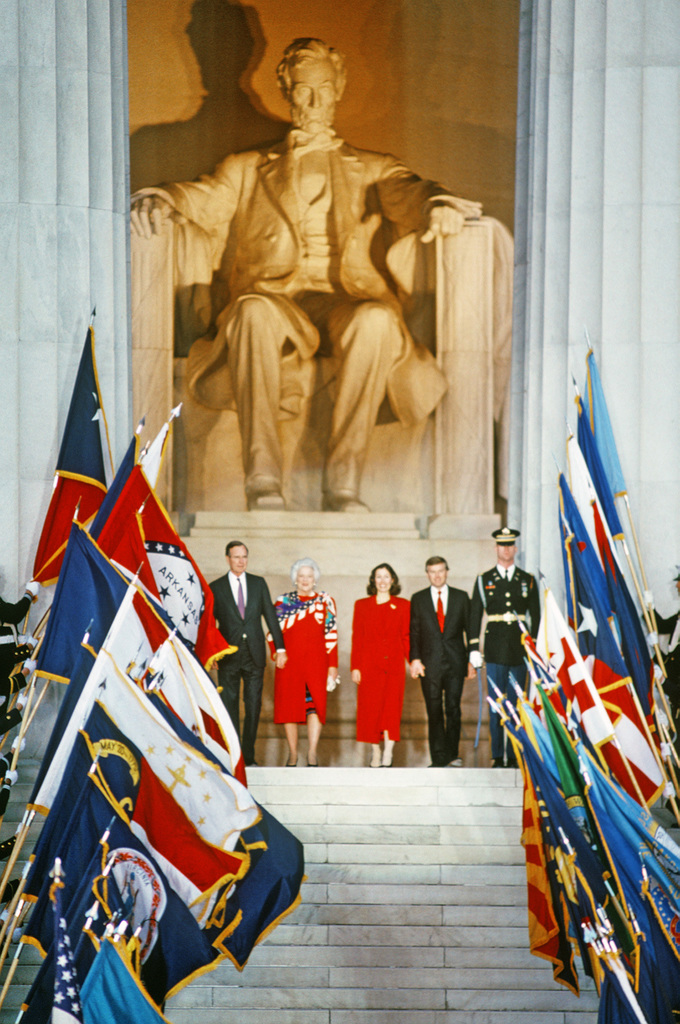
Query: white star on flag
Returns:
{"type": "Point", "coordinates": [588, 621]}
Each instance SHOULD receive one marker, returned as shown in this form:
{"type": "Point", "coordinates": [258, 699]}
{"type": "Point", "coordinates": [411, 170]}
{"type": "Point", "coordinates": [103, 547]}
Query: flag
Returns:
{"type": "Point", "coordinates": [598, 475]}
{"type": "Point", "coordinates": [547, 939]}
{"type": "Point", "coordinates": [590, 600]}
{"type": "Point", "coordinates": [152, 457]}
{"type": "Point", "coordinates": [190, 693]}
{"type": "Point", "coordinates": [122, 473]}
{"type": "Point", "coordinates": [86, 599]}
{"type": "Point", "coordinates": [596, 408]}
{"type": "Point", "coordinates": [189, 811]}
{"type": "Point", "coordinates": [658, 989]}
{"type": "Point", "coordinates": [192, 778]}
{"type": "Point", "coordinates": [184, 592]}
{"type": "Point", "coordinates": [562, 839]}
{"type": "Point", "coordinates": [112, 992]}
{"type": "Point", "coordinates": [83, 470]}
{"type": "Point", "coordinates": [134, 634]}
{"type": "Point", "coordinates": [258, 901]}
{"type": "Point", "coordinates": [104, 861]}
{"type": "Point", "coordinates": [67, 1008]}
{"type": "Point", "coordinates": [556, 645]}
{"type": "Point", "coordinates": [633, 642]}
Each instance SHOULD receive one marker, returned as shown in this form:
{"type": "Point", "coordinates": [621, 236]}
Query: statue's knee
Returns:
{"type": "Point", "coordinates": [375, 316]}
{"type": "Point", "coordinates": [253, 310]}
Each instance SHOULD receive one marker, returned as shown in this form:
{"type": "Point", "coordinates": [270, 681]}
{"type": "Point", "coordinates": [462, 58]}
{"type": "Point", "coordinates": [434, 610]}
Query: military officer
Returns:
{"type": "Point", "coordinates": [504, 593]}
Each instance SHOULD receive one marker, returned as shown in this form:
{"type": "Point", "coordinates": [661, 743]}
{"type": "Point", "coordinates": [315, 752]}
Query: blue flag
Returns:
{"type": "Point", "coordinates": [591, 454]}
{"type": "Point", "coordinates": [596, 407]}
{"type": "Point", "coordinates": [112, 994]}
{"type": "Point", "coordinates": [86, 598]}
{"type": "Point", "coordinates": [173, 948]}
{"type": "Point", "coordinates": [659, 977]}
{"type": "Point", "coordinates": [593, 614]}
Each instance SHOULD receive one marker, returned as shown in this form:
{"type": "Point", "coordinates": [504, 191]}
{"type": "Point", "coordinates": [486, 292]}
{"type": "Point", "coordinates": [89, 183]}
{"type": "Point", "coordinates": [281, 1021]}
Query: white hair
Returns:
{"type": "Point", "coordinates": [304, 562]}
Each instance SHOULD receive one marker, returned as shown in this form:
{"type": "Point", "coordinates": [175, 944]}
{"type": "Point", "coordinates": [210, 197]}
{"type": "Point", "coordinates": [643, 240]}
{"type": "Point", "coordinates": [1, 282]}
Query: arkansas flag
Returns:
{"type": "Point", "coordinates": [184, 591]}
{"type": "Point", "coordinates": [84, 468]}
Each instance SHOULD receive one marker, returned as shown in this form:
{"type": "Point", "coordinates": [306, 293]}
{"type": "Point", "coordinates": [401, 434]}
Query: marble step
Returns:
{"type": "Point", "coordinates": [340, 524]}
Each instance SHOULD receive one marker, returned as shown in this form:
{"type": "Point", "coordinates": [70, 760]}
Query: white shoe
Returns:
{"type": "Point", "coordinates": [457, 763]}
{"type": "Point", "coordinates": [387, 754]}
{"type": "Point", "coordinates": [375, 760]}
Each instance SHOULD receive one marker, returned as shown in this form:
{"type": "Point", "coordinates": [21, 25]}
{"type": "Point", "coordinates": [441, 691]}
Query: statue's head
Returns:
{"type": "Point", "coordinates": [312, 78]}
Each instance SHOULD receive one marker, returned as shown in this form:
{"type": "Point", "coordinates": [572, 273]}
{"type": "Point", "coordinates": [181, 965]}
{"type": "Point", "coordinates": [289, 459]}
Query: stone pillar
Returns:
{"type": "Point", "coordinates": [63, 243]}
{"type": "Point", "coordinates": [597, 235]}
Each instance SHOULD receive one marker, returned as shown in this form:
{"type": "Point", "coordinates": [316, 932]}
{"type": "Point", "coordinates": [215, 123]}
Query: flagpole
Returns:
{"type": "Point", "coordinates": [10, 974]}
{"type": "Point", "coordinates": [13, 911]}
{"type": "Point", "coordinates": [21, 834]}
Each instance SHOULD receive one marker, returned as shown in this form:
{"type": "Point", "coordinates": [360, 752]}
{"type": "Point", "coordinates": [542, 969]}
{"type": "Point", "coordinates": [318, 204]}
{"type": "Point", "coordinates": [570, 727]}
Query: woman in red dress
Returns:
{"type": "Point", "coordinates": [307, 618]}
{"type": "Point", "coordinates": [380, 649]}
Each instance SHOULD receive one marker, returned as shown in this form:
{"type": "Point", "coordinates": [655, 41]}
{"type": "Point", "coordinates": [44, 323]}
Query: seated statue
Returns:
{"type": "Point", "coordinates": [299, 234]}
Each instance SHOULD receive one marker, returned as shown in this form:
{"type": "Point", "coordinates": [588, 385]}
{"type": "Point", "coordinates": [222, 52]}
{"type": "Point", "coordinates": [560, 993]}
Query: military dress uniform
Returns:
{"type": "Point", "coordinates": [504, 600]}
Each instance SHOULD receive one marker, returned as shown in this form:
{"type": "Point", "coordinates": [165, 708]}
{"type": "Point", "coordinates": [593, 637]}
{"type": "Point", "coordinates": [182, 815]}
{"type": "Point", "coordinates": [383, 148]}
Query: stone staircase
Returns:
{"type": "Point", "coordinates": [414, 909]}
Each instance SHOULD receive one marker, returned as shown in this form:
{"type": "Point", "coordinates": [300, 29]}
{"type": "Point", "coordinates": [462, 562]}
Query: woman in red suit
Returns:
{"type": "Point", "coordinates": [380, 648]}
{"type": "Point", "coordinates": [307, 619]}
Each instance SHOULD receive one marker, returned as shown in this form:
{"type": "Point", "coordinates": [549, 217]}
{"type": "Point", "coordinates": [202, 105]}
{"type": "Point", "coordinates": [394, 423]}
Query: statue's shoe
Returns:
{"type": "Point", "coordinates": [266, 497]}
{"type": "Point", "coordinates": [342, 501]}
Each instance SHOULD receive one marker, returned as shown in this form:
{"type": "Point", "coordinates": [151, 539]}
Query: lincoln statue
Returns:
{"type": "Point", "coordinates": [301, 231]}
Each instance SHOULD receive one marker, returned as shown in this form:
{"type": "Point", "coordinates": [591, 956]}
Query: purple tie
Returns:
{"type": "Point", "coordinates": [239, 601]}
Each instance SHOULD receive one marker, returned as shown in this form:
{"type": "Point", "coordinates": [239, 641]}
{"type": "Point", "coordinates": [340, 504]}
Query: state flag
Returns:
{"type": "Point", "coordinates": [83, 470]}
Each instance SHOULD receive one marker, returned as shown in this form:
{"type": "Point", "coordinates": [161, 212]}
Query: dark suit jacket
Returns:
{"type": "Point", "coordinates": [247, 630]}
{"type": "Point", "coordinates": [438, 650]}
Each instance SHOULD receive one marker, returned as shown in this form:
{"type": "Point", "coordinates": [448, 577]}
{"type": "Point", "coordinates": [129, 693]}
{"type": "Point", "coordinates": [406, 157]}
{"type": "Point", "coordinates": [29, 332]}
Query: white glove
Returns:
{"type": "Point", "coordinates": [652, 638]}
{"type": "Point", "coordinates": [476, 659]}
{"type": "Point", "coordinates": [32, 588]}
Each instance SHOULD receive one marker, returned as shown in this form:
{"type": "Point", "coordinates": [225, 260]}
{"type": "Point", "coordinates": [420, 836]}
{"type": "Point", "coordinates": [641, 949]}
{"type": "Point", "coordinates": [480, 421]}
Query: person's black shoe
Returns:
{"type": "Point", "coordinates": [252, 764]}
{"type": "Point", "coordinates": [497, 763]}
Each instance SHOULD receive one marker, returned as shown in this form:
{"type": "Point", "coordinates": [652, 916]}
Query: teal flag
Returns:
{"type": "Point", "coordinates": [111, 994]}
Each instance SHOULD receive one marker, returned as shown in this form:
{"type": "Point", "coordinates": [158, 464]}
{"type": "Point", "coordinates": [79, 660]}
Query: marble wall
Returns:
{"type": "Point", "coordinates": [63, 244]}
{"type": "Point", "coordinates": [597, 235]}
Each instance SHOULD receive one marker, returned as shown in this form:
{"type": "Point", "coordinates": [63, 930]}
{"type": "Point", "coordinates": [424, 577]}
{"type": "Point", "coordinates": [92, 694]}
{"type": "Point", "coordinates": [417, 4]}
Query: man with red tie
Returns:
{"type": "Point", "coordinates": [438, 656]}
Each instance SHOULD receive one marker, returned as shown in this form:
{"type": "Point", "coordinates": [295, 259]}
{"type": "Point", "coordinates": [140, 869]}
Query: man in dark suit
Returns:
{"type": "Point", "coordinates": [505, 593]}
{"type": "Point", "coordinates": [438, 655]}
{"type": "Point", "coordinates": [241, 602]}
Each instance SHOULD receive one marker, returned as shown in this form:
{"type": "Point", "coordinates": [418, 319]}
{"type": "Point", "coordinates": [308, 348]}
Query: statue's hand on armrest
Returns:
{"type": "Point", "coordinates": [447, 214]}
{"type": "Point", "coordinates": [150, 211]}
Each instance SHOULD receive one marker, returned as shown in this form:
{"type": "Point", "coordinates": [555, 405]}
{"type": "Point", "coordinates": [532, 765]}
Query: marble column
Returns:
{"type": "Point", "coordinates": [597, 235]}
{"type": "Point", "coordinates": [63, 243]}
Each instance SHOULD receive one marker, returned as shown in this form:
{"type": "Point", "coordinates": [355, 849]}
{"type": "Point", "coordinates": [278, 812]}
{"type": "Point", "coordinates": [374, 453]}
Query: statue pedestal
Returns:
{"type": "Point", "coordinates": [347, 547]}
